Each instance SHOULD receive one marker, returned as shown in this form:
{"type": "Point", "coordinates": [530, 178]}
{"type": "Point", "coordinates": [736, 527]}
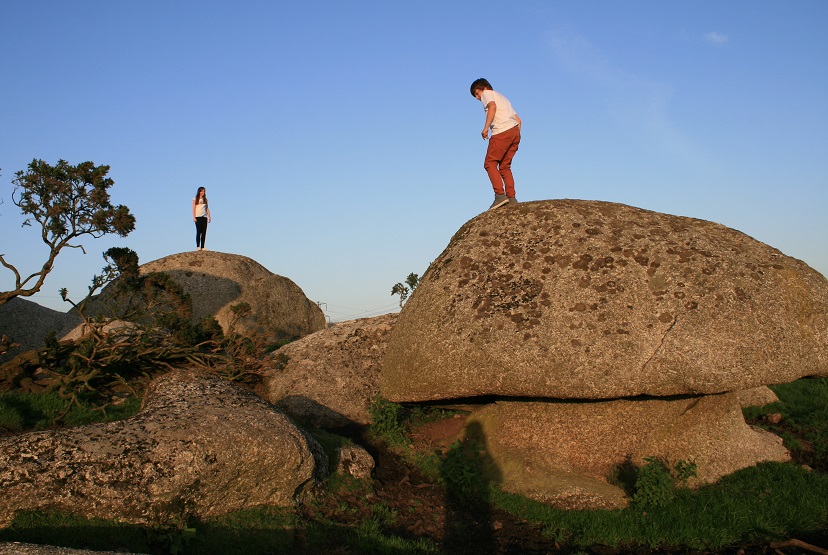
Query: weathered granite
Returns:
{"type": "Point", "coordinates": [595, 300]}
{"type": "Point", "coordinates": [200, 446]}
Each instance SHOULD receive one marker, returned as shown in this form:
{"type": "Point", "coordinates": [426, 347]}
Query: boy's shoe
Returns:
{"type": "Point", "coordinates": [499, 200]}
{"type": "Point", "coordinates": [513, 200]}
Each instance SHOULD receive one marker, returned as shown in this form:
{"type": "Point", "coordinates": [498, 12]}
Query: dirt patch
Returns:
{"type": "Point", "coordinates": [438, 435]}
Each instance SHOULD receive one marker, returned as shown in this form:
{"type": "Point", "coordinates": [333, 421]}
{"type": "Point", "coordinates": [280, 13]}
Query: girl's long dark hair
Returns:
{"type": "Point", "coordinates": [205, 194]}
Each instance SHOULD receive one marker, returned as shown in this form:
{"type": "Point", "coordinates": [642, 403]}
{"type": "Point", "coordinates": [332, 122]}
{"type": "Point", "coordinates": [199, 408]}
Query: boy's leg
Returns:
{"type": "Point", "coordinates": [499, 154]}
{"type": "Point", "coordinates": [506, 163]}
{"type": "Point", "coordinates": [494, 154]}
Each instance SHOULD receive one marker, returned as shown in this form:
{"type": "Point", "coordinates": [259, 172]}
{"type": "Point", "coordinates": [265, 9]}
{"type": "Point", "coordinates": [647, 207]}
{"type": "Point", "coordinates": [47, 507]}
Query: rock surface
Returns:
{"type": "Point", "coordinates": [756, 397]}
{"type": "Point", "coordinates": [595, 300]}
{"type": "Point", "coordinates": [561, 453]}
{"type": "Point", "coordinates": [329, 378]}
{"type": "Point", "coordinates": [217, 281]}
{"type": "Point", "coordinates": [200, 446]}
{"type": "Point", "coordinates": [354, 460]}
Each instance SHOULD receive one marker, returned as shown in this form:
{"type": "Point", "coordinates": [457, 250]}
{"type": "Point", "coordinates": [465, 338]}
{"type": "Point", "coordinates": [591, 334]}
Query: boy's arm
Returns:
{"type": "Point", "coordinates": [491, 108]}
{"type": "Point", "coordinates": [520, 123]}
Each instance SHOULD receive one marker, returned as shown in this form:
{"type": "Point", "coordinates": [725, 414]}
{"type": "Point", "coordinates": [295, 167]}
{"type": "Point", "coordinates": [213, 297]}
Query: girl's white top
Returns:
{"type": "Point", "coordinates": [201, 208]}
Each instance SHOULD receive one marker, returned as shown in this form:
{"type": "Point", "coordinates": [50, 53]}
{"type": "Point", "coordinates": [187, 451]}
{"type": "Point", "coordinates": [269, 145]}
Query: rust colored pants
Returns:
{"type": "Point", "coordinates": [498, 164]}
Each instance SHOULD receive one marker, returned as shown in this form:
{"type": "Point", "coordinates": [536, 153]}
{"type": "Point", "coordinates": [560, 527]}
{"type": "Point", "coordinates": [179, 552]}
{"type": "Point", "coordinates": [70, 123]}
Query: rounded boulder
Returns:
{"type": "Point", "coordinates": [596, 300]}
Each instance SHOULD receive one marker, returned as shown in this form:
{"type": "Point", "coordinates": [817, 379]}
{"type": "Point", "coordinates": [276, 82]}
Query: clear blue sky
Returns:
{"type": "Point", "coordinates": [340, 146]}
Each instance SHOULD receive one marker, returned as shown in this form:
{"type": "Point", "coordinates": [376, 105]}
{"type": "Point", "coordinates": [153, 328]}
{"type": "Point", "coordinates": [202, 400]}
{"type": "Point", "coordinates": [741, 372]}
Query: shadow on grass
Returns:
{"type": "Point", "coordinates": [467, 474]}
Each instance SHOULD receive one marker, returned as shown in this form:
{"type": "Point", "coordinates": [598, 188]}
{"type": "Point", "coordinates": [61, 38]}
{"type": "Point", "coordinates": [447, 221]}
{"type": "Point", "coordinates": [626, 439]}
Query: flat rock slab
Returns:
{"type": "Point", "coordinates": [595, 300]}
{"type": "Point", "coordinates": [200, 446]}
{"type": "Point", "coordinates": [562, 453]}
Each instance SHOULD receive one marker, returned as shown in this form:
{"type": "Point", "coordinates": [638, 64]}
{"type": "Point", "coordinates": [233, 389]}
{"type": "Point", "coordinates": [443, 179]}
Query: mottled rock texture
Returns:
{"type": "Point", "coordinates": [561, 453]}
{"type": "Point", "coordinates": [594, 300]}
{"type": "Point", "coordinates": [200, 446]}
{"type": "Point", "coordinates": [328, 379]}
{"type": "Point", "coordinates": [354, 460]}
{"type": "Point", "coordinates": [217, 281]}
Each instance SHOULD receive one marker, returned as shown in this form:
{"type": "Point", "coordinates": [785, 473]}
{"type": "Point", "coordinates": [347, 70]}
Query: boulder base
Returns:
{"type": "Point", "coordinates": [562, 453]}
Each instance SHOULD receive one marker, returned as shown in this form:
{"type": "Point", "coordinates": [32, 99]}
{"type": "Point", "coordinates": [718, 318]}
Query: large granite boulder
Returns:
{"type": "Point", "coordinates": [328, 379]}
{"type": "Point", "coordinates": [562, 453]}
{"type": "Point", "coordinates": [595, 300]}
{"type": "Point", "coordinates": [217, 281]}
{"type": "Point", "coordinates": [200, 446]}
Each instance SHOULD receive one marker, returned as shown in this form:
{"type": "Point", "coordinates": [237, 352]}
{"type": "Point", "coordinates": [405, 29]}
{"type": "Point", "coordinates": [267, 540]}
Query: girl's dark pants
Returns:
{"type": "Point", "coordinates": [201, 231]}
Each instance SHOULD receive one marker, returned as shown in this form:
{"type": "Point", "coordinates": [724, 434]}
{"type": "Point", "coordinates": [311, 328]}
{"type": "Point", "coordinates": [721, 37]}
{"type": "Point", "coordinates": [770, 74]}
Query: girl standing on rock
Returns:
{"type": "Point", "coordinates": [201, 217]}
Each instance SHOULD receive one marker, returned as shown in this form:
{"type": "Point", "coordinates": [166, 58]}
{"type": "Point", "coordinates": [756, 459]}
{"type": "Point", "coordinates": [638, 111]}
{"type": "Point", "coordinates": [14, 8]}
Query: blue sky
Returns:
{"type": "Point", "coordinates": [340, 146]}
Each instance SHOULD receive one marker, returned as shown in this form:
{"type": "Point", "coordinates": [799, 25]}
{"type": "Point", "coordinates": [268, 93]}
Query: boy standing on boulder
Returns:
{"type": "Point", "coordinates": [503, 144]}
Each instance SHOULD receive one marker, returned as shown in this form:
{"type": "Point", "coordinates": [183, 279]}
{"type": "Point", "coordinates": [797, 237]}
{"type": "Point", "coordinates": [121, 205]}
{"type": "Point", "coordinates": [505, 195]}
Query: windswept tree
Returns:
{"type": "Point", "coordinates": [67, 202]}
{"type": "Point", "coordinates": [403, 290]}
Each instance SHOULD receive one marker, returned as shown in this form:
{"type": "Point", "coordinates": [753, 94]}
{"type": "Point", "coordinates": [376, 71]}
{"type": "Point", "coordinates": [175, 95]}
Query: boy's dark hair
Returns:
{"type": "Point", "coordinates": [480, 84]}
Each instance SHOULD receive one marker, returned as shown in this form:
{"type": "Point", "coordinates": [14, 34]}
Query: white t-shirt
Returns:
{"type": "Point", "coordinates": [201, 209]}
{"type": "Point", "coordinates": [504, 115]}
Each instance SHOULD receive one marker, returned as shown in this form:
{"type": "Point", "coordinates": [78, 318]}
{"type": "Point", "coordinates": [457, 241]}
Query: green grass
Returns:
{"type": "Point", "coordinates": [257, 531]}
{"type": "Point", "coordinates": [21, 411]}
{"type": "Point", "coordinates": [803, 405]}
{"type": "Point", "coordinates": [766, 502]}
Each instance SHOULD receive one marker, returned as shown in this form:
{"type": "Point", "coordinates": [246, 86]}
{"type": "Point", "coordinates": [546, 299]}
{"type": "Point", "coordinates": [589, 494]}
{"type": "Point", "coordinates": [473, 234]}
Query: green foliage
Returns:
{"type": "Point", "coordinates": [387, 422]}
{"type": "Point", "coordinates": [404, 289]}
{"type": "Point", "coordinates": [683, 470]}
{"type": "Point", "coordinates": [21, 411]}
{"type": "Point", "coordinates": [653, 485]}
{"type": "Point", "coordinates": [66, 202]}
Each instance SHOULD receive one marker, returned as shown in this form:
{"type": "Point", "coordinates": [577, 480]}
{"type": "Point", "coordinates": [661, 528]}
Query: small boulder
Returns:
{"type": "Point", "coordinates": [328, 379]}
{"type": "Point", "coordinates": [353, 460]}
{"type": "Point", "coordinates": [595, 300]}
{"type": "Point", "coordinates": [200, 446]}
{"type": "Point", "coordinates": [118, 327]}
